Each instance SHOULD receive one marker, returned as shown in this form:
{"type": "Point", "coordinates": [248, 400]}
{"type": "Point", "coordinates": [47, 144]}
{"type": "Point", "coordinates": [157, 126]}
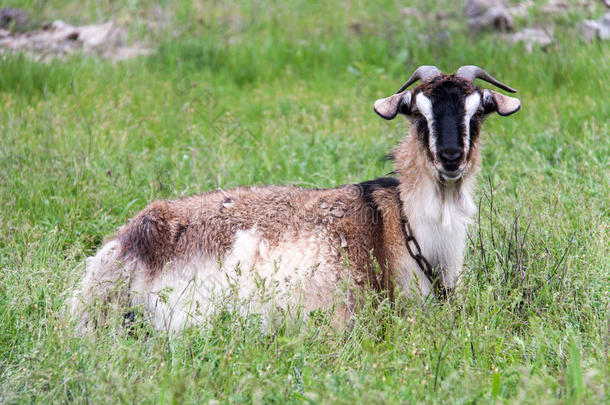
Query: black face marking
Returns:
{"type": "Point", "coordinates": [424, 135]}
{"type": "Point", "coordinates": [447, 99]}
{"type": "Point", "coordinates": [475, 128]}
{"type": "Point", "coordinates": [448, 112]}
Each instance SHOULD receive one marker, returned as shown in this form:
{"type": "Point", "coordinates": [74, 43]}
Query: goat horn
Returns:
{"type": "Point", "coordinates": [472, 72]}
{"type": "Point", "coordinates": [422, 73]}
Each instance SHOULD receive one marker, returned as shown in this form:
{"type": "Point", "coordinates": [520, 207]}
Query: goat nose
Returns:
{"type": "Point", "coordinates": [451, 155]}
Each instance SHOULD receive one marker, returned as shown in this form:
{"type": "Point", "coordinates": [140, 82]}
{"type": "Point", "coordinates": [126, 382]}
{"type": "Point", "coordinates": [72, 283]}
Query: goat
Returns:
{"type": "Point", "coordinates": [282, 249]}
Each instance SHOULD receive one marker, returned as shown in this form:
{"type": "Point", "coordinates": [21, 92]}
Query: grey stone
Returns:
{"type": "Point", "coordinates": [555, 7]}
{"type": "Point", "coordinates": [13, 17]}
{"type": "Point", "coordinates": [476, 8]}
{"type": "Point", "coordinates": [59, 39]}
{"type": "Point", "coordinates": [598, 29]}
{"type": "Point", "coordinates": [531, 37]}
{"type": "Point", "coordinates": [489, 14]}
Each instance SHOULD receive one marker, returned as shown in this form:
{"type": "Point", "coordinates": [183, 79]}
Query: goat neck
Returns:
{"type": "Point", "coordinates": [423, 193]}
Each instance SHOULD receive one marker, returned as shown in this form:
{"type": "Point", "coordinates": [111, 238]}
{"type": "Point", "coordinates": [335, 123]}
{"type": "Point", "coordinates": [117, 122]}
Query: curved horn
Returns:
{"type": "Point", "coordinates": [472, 72]}
{"type": "Point", "coordinates": [422, 73]}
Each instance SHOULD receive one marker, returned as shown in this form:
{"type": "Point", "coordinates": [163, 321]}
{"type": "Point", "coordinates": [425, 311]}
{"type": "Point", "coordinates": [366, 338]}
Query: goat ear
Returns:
{"type": "Point", "coordinates": [389, 107]}
{"type": "Point", "coordinates": [503, 105]}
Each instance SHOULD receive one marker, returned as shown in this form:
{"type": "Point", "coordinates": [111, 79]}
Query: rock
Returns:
{"type": "Point", "coordinates": [485, 14]}
{"type": "Point", "coordinates": [58, 39]}
{"type": "Point", "coordinates": [531, 37]}
{"type": "Point", "coordinates": [497, 18]}
{"type": "Point", "coordinates": [478, 7]}
{"type": "Point", "coordinates": [13, 17]}
{"type": "Point", "coordinates": [555, 7]}
{"type": "Point", "coordinates": [520, 9]}
{"type": "Point", "coordinates": [599, 29]}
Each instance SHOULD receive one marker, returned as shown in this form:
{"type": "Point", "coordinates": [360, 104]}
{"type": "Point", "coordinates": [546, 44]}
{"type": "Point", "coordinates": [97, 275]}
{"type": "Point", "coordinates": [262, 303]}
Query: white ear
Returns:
{"type": "Point", "coordinates": [389, 107]}
{"type": "Point", "coordinates": [503, 105]}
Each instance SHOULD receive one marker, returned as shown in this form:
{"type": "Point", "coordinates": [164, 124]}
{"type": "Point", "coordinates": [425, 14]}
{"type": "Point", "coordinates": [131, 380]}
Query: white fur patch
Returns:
{"type": "Point", "coordinates": [104, 274]}
{"type": "Point", "coordinates": [424, 105]}
{"type": "Point", "coordinates": [471, 105]}
{"type": "Point", "coordinates": [251, 278]}
{"type": "Point", "coordinates": [439, 222]}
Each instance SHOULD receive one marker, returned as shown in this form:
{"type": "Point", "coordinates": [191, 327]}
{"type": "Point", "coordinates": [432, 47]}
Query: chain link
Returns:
{"type": "Point", "coordinates": [415, 250]}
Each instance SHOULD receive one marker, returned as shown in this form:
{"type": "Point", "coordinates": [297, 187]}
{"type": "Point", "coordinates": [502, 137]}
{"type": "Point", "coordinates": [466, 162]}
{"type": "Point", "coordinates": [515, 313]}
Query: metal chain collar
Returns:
{"type": "Point", "coordinates": [415, 250]}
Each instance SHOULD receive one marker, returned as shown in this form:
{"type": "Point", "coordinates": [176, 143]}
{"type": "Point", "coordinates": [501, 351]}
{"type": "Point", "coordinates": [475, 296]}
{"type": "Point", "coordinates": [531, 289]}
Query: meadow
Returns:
{"type": "Point", "coordinates": [260, 92]}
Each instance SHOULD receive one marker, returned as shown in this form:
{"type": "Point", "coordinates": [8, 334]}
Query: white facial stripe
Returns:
{"type": "Point", "coordinates": [471, 105]}
{"type": "Point", "coordinates": [424, 105]}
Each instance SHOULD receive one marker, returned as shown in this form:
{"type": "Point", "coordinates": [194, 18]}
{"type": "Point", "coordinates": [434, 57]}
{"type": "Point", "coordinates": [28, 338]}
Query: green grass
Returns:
{"type": "Point", "coordinates": [272, 92]}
